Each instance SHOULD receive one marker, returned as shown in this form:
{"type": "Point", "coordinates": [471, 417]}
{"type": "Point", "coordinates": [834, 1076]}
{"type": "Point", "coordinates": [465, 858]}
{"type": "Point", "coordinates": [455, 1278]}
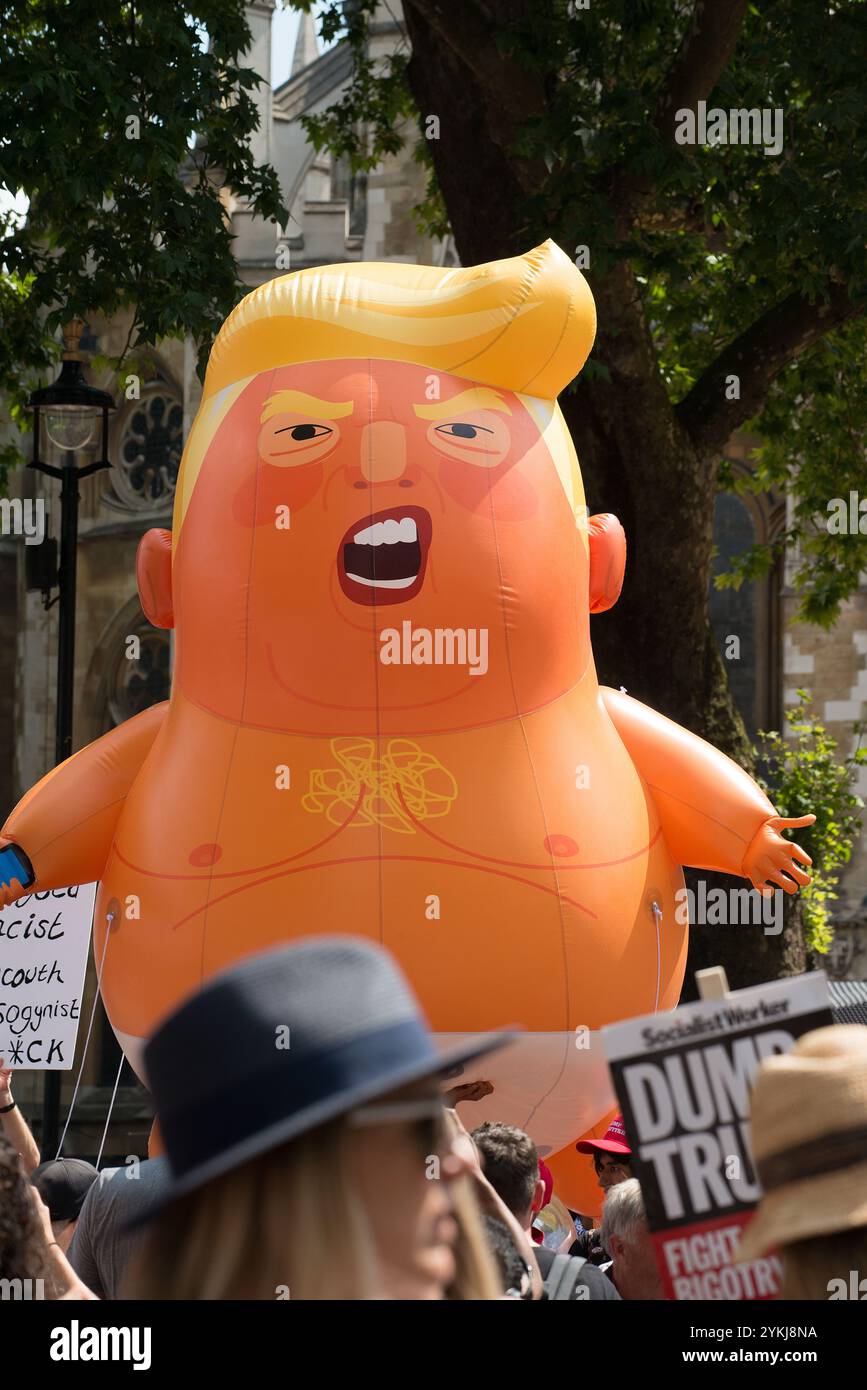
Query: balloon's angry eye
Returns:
{"type": "Point", "coordinates": [301, 432]}
{"type": "Point", "coordinates": [462, 431]}
{"type": "Point", "coordinates": [482, 442]}
{"type": "Point", "coordinates": [295, 442]}
{"type": "Point", "coordinates": [382, 557]}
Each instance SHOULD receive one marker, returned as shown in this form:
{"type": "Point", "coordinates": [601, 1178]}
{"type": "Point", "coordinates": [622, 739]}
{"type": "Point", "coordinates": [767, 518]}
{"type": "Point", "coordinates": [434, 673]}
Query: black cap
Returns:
{"type": "Point", "coordinates": [63, 1184]}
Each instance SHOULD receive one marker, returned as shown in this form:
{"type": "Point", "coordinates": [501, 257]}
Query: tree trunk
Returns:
{"type": "Point", "coordinates": [637, 460]}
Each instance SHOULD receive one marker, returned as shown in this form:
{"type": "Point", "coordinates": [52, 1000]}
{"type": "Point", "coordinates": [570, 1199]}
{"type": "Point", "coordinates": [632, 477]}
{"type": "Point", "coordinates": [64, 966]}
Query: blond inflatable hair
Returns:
{"type": "Point", "coordinates": [525, 324]}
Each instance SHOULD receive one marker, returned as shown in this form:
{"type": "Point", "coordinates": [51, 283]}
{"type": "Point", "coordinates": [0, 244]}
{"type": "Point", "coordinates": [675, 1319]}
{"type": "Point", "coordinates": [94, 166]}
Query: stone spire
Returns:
{"type": "Point", "coordinates": [306, 46]}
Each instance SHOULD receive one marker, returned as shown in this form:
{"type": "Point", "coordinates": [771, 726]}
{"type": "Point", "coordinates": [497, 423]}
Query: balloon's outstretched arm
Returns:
{"type": "Point", "coordinates": [65, 824]}
{"type": "Point", "coordinates": [713, 814]}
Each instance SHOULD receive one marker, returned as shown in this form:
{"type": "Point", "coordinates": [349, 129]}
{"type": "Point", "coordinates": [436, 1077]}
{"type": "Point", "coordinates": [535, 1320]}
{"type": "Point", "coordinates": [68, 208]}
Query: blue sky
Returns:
{"type": "Point", "coordinates": [284, 31]}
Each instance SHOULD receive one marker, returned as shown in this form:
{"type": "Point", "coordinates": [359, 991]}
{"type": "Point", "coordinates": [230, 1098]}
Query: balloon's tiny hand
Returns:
{"type": "Point", "coordinates": [10, 892]}
{"type": "Point", "coordinates": [773, 861]}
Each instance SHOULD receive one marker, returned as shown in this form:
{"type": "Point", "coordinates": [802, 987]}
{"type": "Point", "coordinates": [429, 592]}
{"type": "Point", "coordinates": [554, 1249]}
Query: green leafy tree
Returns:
{"type": "Point", "coordinates": [122, 123]}
{"type": "Point", "coordinates": [730, 278]}
{"type": "Point", "coordinates": [806, 769]}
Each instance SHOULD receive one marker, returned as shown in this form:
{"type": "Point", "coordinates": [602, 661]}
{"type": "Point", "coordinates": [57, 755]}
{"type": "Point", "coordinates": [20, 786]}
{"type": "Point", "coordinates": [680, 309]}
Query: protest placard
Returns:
{"type": "Point", "coordinates": [683, 1080]}
{"type": "Point", "coordinates": [44, 939]}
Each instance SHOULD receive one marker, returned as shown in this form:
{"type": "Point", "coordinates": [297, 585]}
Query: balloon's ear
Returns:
{"type": "Point", "coordinates": [607, 561]}
{"type": "Point", "coordinates": [153, 572]}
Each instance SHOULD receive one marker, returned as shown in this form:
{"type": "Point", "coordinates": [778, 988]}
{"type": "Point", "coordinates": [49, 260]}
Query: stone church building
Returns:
{"type": "Point", "coordinates": [334, 217]}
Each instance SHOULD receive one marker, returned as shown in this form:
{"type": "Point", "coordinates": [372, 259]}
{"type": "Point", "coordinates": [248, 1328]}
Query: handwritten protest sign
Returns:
{"type": "Point", "coordinates": [683, 1080]}
{"type": "Point", "coordinates": [44, 938]}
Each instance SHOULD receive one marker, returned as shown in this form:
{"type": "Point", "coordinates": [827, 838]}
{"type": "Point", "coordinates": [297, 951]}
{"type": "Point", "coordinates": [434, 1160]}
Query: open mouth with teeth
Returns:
{"type": "Point", "coordinates": [382, 558]}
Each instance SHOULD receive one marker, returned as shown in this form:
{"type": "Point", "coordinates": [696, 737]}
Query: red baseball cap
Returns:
{"type": "Point", "coordinates": [614, 1141]}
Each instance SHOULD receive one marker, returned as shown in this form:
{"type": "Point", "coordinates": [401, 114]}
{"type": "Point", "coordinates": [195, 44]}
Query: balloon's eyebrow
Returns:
{"type": "Point", "coordinates": [299, 403]}
{"type": "Point", "coordinates": [477, 398]}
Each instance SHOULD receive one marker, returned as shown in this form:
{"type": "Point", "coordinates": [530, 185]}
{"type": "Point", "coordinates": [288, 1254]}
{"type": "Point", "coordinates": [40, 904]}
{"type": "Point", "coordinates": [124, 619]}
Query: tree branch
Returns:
{"type": "Point", "coordinates": [756, 357]}
{"type": "Point", "coordinates": [705, 51]}
{"type": "Point", "coordinates": [704, 54]}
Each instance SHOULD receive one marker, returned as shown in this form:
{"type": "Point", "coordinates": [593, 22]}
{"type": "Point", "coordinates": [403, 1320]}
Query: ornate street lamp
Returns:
{"type": "Point", "coordinates": [70, 411]}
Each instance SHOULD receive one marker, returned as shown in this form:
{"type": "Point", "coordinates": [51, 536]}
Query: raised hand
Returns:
{"type": "Point", "coordinates": [471, 1090]}
{"type": "Point", "coordinates": [16, 873]}
{"type": "Point", "coordinates": [773, 860]}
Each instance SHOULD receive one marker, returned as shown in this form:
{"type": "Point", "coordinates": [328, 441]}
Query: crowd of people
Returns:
{"type": "Point", "coordinates": [311, 1152]}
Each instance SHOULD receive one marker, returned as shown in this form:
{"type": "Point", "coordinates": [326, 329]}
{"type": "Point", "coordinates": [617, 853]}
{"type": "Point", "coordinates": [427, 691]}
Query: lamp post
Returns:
{"type": "Point", "coordinates": [70, 410]}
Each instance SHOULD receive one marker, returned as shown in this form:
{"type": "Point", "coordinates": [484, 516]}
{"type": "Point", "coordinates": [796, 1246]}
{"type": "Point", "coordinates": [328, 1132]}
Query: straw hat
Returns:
{"type": "Point", "coordinates": [809, 1140]}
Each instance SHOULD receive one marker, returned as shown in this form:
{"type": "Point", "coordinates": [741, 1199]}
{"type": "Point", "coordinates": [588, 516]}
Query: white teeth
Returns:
{"type": "Point", "coordinates": [388, 533]}
{"type": "Point", "coordinates": [383, 583]}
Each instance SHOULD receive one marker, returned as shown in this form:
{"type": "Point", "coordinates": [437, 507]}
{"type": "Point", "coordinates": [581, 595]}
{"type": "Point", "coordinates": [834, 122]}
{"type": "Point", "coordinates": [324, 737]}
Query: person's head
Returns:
{"type": "Point", "coordinates": [611, 1155]}
{"type": "Point", "coordinates": [63, 1184]}
{"type": "Point", "coordinates": [611, 1169]}
{"type": "Point", "coordinates": [384, 408]}
{"type": "Point", "coordinates": [22, 1243]}
{"type": "Point", "coordinates": [346, 1210]}
{"type": "Point", "coordinates": [513, 1268]}
{"type": "Point", "coordinates": [511, 1165]}
{"type": "Point", "coordinates": [625, 1236]}
{"type": "Point", "coordinates": [300, 1107]}
{"type": "Point", "coordinates": [808, 1116]}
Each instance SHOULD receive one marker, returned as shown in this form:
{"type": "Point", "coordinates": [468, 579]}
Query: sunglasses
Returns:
{"type": "Point", "coordinates": [426, 1119]}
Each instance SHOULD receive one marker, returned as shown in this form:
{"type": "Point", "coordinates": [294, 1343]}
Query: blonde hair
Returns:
{"type": "Point", "coordinates": [285, 1225]}
{"type": "Point", "coordinates": [288, 1224]}
{"type": "Point", "coordinates": [476, 1274]}
{"type": "Point", "coordinates": [525, 324]}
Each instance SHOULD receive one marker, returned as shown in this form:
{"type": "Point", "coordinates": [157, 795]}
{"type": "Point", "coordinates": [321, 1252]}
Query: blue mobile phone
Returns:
{"type": "Point", "coordinates": [15, 864]}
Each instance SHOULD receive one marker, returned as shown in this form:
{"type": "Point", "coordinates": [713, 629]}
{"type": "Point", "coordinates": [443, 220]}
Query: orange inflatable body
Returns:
{"type": "Point", "coordinates": [385, 718]}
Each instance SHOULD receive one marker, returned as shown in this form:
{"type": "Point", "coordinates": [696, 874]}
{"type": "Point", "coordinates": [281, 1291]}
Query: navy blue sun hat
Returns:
{"type": "Point", "coordinates": [282, 1042]}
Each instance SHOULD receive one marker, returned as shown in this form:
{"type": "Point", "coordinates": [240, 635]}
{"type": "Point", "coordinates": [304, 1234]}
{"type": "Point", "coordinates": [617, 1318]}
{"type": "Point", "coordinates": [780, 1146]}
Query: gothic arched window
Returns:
{"type": "Point", "coordinates": [748, 614]}
{"type": "Point", "coordinates": [148, 453]}
{"type": "Point", "coordinates": [141, 671]}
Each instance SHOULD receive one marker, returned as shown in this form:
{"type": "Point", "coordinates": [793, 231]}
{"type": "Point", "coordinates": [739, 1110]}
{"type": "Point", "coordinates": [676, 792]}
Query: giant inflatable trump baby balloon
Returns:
{"type": "Point", "coordinates": [385, 717]}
